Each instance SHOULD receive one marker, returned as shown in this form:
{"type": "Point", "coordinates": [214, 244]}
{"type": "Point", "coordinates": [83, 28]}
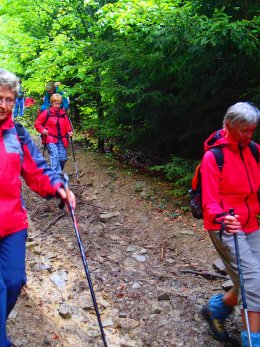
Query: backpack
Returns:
{"type": "Point", "coordinates": [196, 190]}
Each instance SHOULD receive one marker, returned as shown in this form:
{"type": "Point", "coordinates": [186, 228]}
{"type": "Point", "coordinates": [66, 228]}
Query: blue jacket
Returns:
{"type": "Point", "coordinates": [46, 100]}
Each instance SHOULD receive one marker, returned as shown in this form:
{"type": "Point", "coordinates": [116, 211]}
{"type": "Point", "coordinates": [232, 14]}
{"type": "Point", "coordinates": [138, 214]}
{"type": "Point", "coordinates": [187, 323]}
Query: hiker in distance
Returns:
{"type": "Point", "coordinates": [235, 186]}
{"type": "Point", "coordinates": [19, 102]}
{"type": "Point", "coordinates": [19, 158]}
{"type": "Point", "coordinates": [53, 88]}
{"type": "Point", "coordinates": [55, 128]}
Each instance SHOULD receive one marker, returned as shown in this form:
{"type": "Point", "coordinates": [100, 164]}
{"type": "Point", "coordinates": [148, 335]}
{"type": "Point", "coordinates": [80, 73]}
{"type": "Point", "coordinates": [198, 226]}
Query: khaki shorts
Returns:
{"type": "Point", "coordinates": [249, 248]}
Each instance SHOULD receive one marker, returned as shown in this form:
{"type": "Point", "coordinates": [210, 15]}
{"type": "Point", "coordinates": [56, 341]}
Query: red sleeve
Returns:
{"type": "Point", "coordinates": [40, 121]}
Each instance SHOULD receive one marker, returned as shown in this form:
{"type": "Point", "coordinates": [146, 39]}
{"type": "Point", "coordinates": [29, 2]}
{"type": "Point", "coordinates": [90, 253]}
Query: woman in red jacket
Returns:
{"type": "Point", "coordinates": [234, 187]}
{"type": "Point", "coordinates": [55, 128]}
{"type": "Point", "coordinates": [18, 160]}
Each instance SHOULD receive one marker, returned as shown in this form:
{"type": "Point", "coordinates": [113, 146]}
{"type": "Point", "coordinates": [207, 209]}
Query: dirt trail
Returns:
{"type": "Point", "coordinates": [136, 246]}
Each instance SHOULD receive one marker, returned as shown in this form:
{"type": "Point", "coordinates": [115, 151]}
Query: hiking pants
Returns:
{"type": "Point", "coordinates": [58, 156]}
{"type": "Point", "coordinates": [249, 247]}
{"type": "Point", "coordinates": [18, 107]}
{"type": "Point", "coordinates": [12, 276]}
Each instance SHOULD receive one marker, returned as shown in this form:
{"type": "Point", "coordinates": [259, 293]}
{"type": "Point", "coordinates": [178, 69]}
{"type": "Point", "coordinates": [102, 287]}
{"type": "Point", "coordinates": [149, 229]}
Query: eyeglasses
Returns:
{"type": "Point", "coordinates": [7, 101]}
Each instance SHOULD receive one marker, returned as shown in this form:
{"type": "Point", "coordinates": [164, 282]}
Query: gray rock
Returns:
{"type": "Point", "coordinates": [139, 186]}
{"type": "Point", "coordinates": [59, 279]}
{"type": "Point", "coordinates": [132, 248]}
{"type": "Point", "coordinates": [144, 195]}
{"type": "Point", "coordinates": [122, 315]}
{"type": "Point", "coordinates": [19, 343]}
{"type": "Point", "coordinates": [108, 322]}
{"type": "Point", "coordinates": [31, 245]}
{"type": "Point", "coordinates": [105, 217]}
{"type": "Point", "coordinates": [227, 285]}
{"type": "Point", "coordinates": [139, 257]}
{"type": "Point", "coordinates": [186, 232]}
{"type": "Point", "coordinates": [136, 285]}
{"type": "Point", "coordinates": [13, 314]}
{"type": "Point", "coordinates": [42, 267]}
{"type": "Point", "coordinates": [64, 311]}
{"type": "Point", "coordinates": [219, 265]}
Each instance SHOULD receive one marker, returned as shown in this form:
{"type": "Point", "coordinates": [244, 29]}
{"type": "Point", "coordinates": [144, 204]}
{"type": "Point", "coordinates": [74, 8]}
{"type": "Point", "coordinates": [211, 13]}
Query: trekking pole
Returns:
{"type": "Point", "coordinates": [73, 152]}
{"type": "Point", "coordinates": [44, 145]}
{"type": "Point", "coordinates": [241, 280]}
{"type": "Point", "coordinates": [66, 177]}
{"type": "Point", "coordinates": [74, 158]}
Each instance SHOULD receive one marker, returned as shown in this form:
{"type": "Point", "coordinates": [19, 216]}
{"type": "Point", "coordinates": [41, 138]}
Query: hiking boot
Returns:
{"type": "Point", "coordinates": [215, 313]}
{"type": "Point", "coordinates": [216, 325]}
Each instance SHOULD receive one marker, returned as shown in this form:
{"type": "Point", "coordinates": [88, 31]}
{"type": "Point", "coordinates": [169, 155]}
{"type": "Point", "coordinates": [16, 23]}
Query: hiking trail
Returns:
{"type": "Point", "coordinates": [137, 243]}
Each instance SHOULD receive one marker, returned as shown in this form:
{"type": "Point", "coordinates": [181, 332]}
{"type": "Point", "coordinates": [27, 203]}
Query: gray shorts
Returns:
{"type": "Point", "coordinates": [249, 247]}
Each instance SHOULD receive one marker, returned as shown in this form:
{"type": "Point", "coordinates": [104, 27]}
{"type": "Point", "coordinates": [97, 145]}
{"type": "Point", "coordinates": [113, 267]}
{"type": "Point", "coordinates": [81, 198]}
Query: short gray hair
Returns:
{"type": "Point", "coordinates": [50, 86]}
{"type": "Point", "coordinates": [242, 112]}
{"type": "Point", "coordinates": [10, 81]}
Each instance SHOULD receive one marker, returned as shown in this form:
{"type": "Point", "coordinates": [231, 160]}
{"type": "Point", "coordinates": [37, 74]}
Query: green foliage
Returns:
{"type": "Point", "coordinates": [152, 75]}
{"type": "Point", "coordinates": [179, 171]}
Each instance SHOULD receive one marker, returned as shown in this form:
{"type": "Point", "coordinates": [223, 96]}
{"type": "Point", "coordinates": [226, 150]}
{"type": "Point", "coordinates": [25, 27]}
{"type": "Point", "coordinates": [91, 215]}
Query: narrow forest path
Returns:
{"type": "Point", "coordinates": [136, 253]}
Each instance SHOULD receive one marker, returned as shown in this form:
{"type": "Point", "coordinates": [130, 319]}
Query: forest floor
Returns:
{"type": "Point", "coordinates": [140, 248]}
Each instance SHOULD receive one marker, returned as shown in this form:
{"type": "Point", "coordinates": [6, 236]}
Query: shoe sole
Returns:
{"type": "Point", "coordinates": [207, 318]}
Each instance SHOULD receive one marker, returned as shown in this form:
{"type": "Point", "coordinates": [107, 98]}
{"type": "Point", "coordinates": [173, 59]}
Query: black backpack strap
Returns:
{"type": "Point", "coordinates": [20, 132]}
{"type": "Point", "coordinates": [219, 156]}
{"type": "Point", "coordinates": [254, 150]}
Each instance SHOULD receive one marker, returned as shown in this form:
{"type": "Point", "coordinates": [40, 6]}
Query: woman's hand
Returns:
{"type": "Point", "coordinates": [232, 224]}
{"type": "Point", "coordinates": [45, 132]}
{"type": "Point", "coordinates": [68, 197]}
{"type": "Point", "coordinates": [70, 133]}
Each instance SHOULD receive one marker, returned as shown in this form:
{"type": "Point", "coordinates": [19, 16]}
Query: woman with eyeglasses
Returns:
{"type": "Point", "coordinates": [18, 160]}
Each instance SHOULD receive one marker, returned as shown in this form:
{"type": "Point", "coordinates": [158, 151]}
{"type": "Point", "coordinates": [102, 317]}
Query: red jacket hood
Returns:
{"type": "Point", "coordinates": [216, 139]}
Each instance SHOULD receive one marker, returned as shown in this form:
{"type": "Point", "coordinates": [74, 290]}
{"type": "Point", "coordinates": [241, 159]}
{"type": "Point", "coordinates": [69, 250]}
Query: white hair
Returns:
{"type": "Point", "coordinates": [9, 80]}
{"type": "Point", "coordinates": [242, 112]}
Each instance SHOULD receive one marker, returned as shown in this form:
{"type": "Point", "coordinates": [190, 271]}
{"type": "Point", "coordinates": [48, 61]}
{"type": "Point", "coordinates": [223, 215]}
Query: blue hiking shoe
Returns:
{"type": "Point", "coordinates": [215, 313]}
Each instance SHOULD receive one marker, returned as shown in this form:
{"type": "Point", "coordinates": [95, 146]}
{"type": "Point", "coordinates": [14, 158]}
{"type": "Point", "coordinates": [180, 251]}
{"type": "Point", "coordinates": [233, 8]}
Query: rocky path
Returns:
{"type": "Point", "coordinates": [138, 245]}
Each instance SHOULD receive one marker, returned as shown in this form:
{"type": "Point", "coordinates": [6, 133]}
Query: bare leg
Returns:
{"type": "Point", "coordinates": [254, 321]}
{"type": "Point", "coordinates": [230, 298]}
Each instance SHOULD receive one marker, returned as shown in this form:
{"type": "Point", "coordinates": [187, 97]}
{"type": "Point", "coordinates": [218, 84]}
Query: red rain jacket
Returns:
{"type": "Point", "coordinates": [16, 162]}
{"type": "Point", "coordinates": [236, 186]}
{"type": "Point", "coordinates": [57, 123]}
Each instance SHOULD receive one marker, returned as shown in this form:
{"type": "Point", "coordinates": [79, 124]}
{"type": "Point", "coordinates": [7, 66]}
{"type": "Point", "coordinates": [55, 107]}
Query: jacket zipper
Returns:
{"type": "Point", "coordinates": [242, 158]}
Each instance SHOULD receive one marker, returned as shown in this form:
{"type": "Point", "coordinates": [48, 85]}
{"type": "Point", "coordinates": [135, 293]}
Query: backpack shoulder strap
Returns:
{"type": "Point", "coordinates": [254, 150]}
{"type": "Point", "coordinates": [20, 131]}
{"type": "Point", "coordinates": [47, 117]}
{"type": "Point", "coordinates": [219, 156]}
